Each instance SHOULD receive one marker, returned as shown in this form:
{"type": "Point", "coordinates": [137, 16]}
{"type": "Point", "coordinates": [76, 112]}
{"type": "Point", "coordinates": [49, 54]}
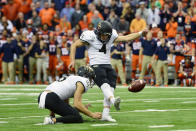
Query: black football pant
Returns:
{"type": "Point", "coordinates": [105, 74]}
{"type": "Point", "coordinates": [58, 106]}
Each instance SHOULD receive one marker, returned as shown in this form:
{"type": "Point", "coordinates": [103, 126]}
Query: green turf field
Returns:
{"type": "Point", "coordinates": [153, 109]}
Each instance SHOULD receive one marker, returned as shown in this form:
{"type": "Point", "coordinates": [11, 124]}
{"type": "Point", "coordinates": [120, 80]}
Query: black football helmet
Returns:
{"type": "Point", "coordinates": [87, 72]}
{"type": "Point", "coordinates": [105, 28]}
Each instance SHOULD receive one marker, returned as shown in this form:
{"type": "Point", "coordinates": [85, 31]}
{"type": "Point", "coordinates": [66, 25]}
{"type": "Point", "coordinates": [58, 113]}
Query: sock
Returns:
{"type": "Point", "coordinates": [112, 100]}
{"type": "Point", "coordinates": [106, 111]}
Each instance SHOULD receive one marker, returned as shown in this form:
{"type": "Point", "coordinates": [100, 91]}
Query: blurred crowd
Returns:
{"type": "Point", "coordinates": [35, 38]}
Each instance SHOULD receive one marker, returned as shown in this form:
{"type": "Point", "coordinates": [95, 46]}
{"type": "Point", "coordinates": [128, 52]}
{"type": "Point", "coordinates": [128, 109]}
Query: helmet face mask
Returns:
{"type": "Point", "coordinates": [104, 31]}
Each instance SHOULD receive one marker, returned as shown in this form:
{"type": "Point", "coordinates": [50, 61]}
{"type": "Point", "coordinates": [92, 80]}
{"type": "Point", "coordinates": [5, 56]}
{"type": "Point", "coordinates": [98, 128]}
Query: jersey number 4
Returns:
{"type": "Point", "coordinates": [103, 49]}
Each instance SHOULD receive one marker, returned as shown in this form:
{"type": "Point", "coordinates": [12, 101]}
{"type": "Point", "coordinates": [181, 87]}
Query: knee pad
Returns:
{"type": "Point", "coordinates": [107, 90]}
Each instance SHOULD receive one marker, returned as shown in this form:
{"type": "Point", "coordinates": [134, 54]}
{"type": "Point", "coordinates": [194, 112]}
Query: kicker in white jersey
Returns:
{"type": "Point", "coordinates": [95, 56]}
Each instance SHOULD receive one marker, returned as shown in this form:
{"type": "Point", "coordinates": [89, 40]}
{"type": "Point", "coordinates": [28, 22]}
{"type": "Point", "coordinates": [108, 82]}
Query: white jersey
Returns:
{"type": "Point", "coordinates": [95, 56]}
{"type": "Point", "coordinates": [66, 87]}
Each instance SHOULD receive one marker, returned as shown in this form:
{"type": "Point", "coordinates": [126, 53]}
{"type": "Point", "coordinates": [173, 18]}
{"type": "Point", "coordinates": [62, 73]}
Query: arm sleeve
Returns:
{"type": "Point", "coordinates": [87, 37]}
{"type": "Point", "coordinates": [86, 83]}
{"type": "Point", "coordinates": [114, 35]}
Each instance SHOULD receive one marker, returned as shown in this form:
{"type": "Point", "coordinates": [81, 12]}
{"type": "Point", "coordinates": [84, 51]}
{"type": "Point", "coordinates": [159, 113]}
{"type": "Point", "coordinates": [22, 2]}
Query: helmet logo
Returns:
{"type": "Point", "coordinates": [99, 26]}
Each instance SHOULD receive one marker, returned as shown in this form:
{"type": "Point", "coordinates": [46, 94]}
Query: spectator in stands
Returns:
{"type": "Point", "coordinates": [180, 17]}
{"type": "Point", "coordinates": [11, 10]}
{"type": "Point", "coordinates": [46, 14]}
{"type": "Point", "coordinates": [171, 28]}
{"type": "Point", "coordinates": [91, 26]}
{"type": "Point", "coordinates": [3, 40]}
{"type": "Point", "coordinates": [117, 9]}
{"type": "Point", "coordinates": [65, 59]}
{"type": "Point", "coordinates": [67, 11]}
{"type": "Point", "coordinates": [116, 61]}
{"type": "Point", "coordinates": [128, 13]}
{"type": "Point", "coordinates": [59, 4]}
{"type": "Point", "coordinates": [187, 72]}
{"type": "Point", "coordinates": [30, 29]}
{"type": "Point", "coordinates": [99, 6]}
{"type": "Point", "coordinates": [38, 6]}
{"type": "Point", "coordinates": [55, 21]}
{"type": "Point", "coordinates": [83, 23]}
{"type": "Point", "coordinates": [6, 24]}
{"type": "Point", "coordinates": [65, 25]}
{"type": "Point", "coordinates": [44, 33]}
{"type": "Point", "coordinates": [154, 29]}
{"type": "Point", "coordinates": [177, 49]}
{"type": "Point", "coordinates": [33, 8]}
{"type": "Point", "coordinates": [137, 24]}
{"type": "Point", "coordinates": [42, 62]}
{"type": "Point", "coordinates": [153, 15]}
{"type": "Point", "coordinates": [20, 22]}
{"type": "Point", "coordinates": [81, 55]}
{"type": "Point", "coordinates": [143, 11]}
{"type": "Point", "coordinates": [95, 18]}
{"type": "Point", "coordinates": [8, 49]}
{"type": "Point", "coordinates": [99, 3]}
{"type": "Point", "coordinates": [90, 14]}
{"type": "Point", "coordinates": [36, 21]}
{"type": "Point", "coordinates": [25, 43]}
{"type": "Point", "coordinates": [32, 60]}
{"type": "Point", "coordinates": [157, 3]}
{"type": "Point", "coordinates": [76, 16]}
{"type": "Point", "coordinates": [113, 18]}
{"type": "Point", "coordinates": [135, 49]}
{"type": "Point", "coordinates": [122, 26]}
{"type": "Point", "coordinates": [147, 50]}
{"type": "Point", "coordinates": [161, 55]}
{"type": "Point", "coordinates": [53, 57]}
{"type": "Point", "coordinates": [19, 62]}
{"type": "Point", "coordinates": [25, 7]}
{"type": "Point", "coordinates": [165, 15]}
{"type": "Point", "coordinates": [78, 30]}
{"type": "Point", "coordinates": [188, 30]}
{"type": "Point", "coordinates": [106, 13]}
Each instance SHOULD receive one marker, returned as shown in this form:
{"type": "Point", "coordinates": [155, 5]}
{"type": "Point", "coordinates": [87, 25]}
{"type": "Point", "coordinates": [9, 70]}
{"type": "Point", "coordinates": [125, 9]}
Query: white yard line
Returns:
{"type": "Point", "coordinates": [4, 99]}
{"type": "Point", "coordinates": [20, 89]}
{"type": "Point", "coordinates": [20, 94]}
{"type": "Point", "coordinates": [160, 126]}
{"type": "Point", "coordinates": [155, 110]}
{"type": "Point", "coordinates": [22, 117]}
{"type": "Point", "coordinates": [187, 102]}
{"type": "Point", "coordinates": [152, 101]}
{"type": "Point", "coordinates": [22, 85]}
{"type": "Point", "coordinates": [19, 104]}
{"type": "Point", "coordinates": [185, 130]}
{"type": "Point", "coordinates": [107, 124]}
{"type": "Point", "coordinates": [39, 124]}
{"type": "Point", "coordinates": [3, 122]}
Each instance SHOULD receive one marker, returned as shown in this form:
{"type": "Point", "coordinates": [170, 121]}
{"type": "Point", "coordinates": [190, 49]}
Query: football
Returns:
{"type": "Point", "coordinates": [137, 85]}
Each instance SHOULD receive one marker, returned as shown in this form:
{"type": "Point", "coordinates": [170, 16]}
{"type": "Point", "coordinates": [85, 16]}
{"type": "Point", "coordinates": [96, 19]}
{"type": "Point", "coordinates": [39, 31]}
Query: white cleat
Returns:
{"type": "Point", "coordinates": [48, 120]}
{"type": "Point", "coordinates": [107, 118]}
{"type": "Point", "coordinates": [117, 103]}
